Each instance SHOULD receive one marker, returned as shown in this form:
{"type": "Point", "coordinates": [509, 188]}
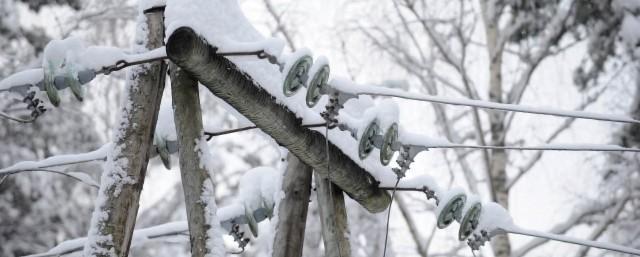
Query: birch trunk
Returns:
{"type": "Point", "coordinates": [333, 216]}
{"type": "Point", "coordinates": [116, 208]}
{"type": "Point", "coordinates": [498, 161]}
{"type": "Point", "coordinates": [292, 211]}
{"type": "Point", "coordinates": [222, 78]}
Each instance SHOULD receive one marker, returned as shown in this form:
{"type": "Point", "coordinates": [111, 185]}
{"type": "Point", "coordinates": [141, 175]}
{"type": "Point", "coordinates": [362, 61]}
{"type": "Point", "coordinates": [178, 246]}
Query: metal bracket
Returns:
{"type": "Point", "coordinates": [406, 157]}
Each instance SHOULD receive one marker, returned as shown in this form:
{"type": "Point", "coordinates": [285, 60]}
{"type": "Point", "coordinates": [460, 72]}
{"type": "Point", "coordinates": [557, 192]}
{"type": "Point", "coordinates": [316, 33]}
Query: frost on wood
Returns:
{"type": "Point", "coordinates": [215, 245]}
{"type": "Point", "coordinates": [117, 203]}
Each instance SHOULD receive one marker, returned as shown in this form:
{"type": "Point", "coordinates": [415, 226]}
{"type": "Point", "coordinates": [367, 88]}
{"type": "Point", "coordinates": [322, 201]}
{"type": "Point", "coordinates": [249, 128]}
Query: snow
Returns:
{"type": "Point", "coordinates": [59, 160]}
{"type": "Point", "coordinates": [387, 113]}
{"type": "Point", "coordinates": [148, 4]}
{"type": "Point", "coordinates": [165, 126]}
{"type": "Point", "coordinates": [445, 197]}
{"type": "Point", "coordinates": [142, 236]}
{"type": "Point", "coordinates": [205, 156]}
{"type": "Point", "coordinates": [58, 51]}
{"type": "Point", "coordinates": [160, 52]}
{"type": "Point", "coordinates": [493, 219]}
{"type": "Point", "coordinates": [260, 187]}
{"type": "Point", "coordinates": [26, 77]}
{"type": "Point", "coordinates": [96, 57]}
{"type": "Point", "coordinates": [220, 23]}
{"type": "Point", "coordinates": [214, 243]}
{"type": "Point", "coordinates": [115, 176]}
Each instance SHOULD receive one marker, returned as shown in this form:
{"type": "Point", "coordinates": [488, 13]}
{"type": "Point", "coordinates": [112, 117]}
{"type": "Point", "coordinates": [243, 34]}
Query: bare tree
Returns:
{"type": "Point", "coordinates": [533, 33]}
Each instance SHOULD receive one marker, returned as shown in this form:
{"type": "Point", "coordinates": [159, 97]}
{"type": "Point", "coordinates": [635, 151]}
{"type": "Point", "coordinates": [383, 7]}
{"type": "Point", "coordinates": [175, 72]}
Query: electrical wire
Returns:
{"type": "Point", "coordinates": [386, 235]}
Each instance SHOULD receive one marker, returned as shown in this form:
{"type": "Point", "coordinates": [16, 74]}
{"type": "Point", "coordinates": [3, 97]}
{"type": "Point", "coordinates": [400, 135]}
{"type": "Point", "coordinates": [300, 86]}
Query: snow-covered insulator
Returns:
{"type": "Point", "coordinates": [317, 85]}
{"type": "Point", "coordinates": [388, 143]}
{"type": "Point", "coordinates": [73, 83]}
{"type": "Point", "coordinates": [49, 85]}
{"type": "Point", "coordinates": [163, 151]}
{"type": "Point", "coordinates": [469, 221]}
{"type": "Point", "coordinates": [366, 144]}
{"type": "Point", "coordinates": [297, 75]}
{"type": "Point", "coordinates": [451, 211]}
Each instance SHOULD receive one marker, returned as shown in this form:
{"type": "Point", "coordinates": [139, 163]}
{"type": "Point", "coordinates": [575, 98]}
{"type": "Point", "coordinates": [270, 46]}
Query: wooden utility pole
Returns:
{"type": "Point", "coordinates": [188, 120]}
{"type": "Point", "coordinates": [189, 51]}
{"type": "Point", "coordinates": [292, 211]}
{"type": "Point", "coordinates": [115, 213]}
{"type": "Point", "coordinates": [333, 216]}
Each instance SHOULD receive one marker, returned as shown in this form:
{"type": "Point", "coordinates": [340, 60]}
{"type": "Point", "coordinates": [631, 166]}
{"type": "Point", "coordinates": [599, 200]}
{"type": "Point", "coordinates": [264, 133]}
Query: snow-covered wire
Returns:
{"type": "Point", "coordinates": [571, 240]}
{"type": "Point", "coordinates": [507, 107]}
{"type": "Point", "coordinates": [350, 87]}
{"type": "Point", "coordinates": [571, 148]}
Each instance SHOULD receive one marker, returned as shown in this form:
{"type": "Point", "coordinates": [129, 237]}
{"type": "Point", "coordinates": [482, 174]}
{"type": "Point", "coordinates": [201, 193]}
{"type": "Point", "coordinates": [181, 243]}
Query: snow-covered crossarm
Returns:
{"type": "Point", "coordinates": [347, 86]}
{"type": "Point", "coordinates": [59, 160]}
{"type": "Point", "coordinates": [223, 78]}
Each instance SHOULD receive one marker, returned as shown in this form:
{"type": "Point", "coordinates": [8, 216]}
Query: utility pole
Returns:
{"type": "Point", "coordinates": [115, 213]}
{"type": "Point", "coordinates": [333, 216]}
{"type": "Point", "coordinates": [292, 211]}
{"type": "Point", "coordinates": [188, 120]}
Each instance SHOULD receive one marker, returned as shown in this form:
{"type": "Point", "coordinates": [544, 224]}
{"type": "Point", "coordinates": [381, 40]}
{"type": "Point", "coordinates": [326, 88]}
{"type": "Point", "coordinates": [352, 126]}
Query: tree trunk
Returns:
{"type": "Point", "coordinates": [292, 211]}
{"type": "Point", "coordinates": [221, 77]}
{"type": "Point", "coordinates": [188, 120]}
{"type": "Point", "coordinates": [498, 161]}
{"type": "Point", "coordinates": [116, 208]}
{"type": "Point", "coordinates": [333, 216]}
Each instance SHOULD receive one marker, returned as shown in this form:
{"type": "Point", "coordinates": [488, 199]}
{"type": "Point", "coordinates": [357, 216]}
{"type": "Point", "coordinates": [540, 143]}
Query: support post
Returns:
{"type": "Point", "coordinates": [292, 211]}
{"type": "Point", "coordinates": [189, 51]}
{"type": "Point", "coordinates": [333, 216]}
{"type": "Point", "coordinates": [116, 209]}
{"type": "Point", "coordinates": [188, 120]}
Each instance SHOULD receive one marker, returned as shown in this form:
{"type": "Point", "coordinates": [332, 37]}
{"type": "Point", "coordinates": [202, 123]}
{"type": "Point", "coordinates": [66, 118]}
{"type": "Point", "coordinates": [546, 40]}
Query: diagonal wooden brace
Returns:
{"type": "Point", "coordinates": [192, 53]}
